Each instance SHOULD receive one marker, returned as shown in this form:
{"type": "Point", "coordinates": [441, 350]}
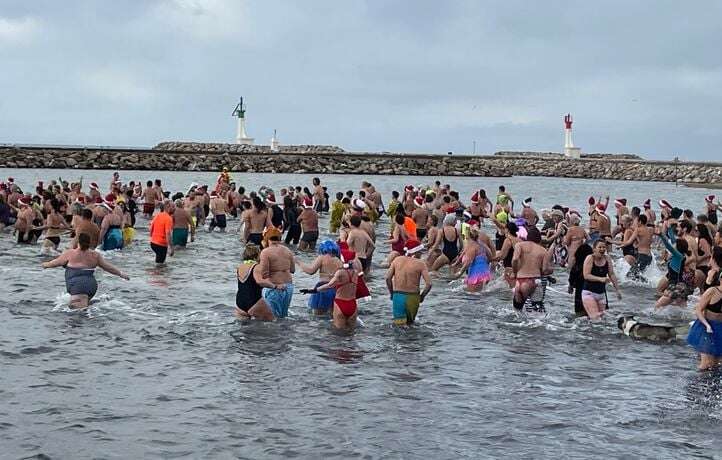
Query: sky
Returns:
{"type": "Point", "coordinates": [420, 76]}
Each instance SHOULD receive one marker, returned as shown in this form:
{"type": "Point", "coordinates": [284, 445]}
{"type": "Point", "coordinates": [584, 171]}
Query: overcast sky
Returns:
{"type": "Point", "coordinates": [397, 75]}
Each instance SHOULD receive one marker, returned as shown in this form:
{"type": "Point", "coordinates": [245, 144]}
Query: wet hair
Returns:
{"type": "Point", "coordinates": [434, 220]}
{"type": "Point", "coordinates": [355, 221]}
{"type": "Point", "coordinates": [55, 204]}
{"type": "Point", "coordinates": [512, 228]}
{"type": "Point", "coordinates": [258, 204]}
{"type": "Point", "coordinates": [362, 194]}
{"type": "Point", "coordinates": [688, 213]}
{"type": "Point", "coordinates": [346, 200]}
{"type": "Point", "coordinates": [395, 194]}
{"type": "Point", "coordinates": [349, 193]}
{"type": "Point", "coordinates": [447, 199]}
{"type": "Point", "coordinates": [339, 196]}
{"type": "Point", "coordinates": [717, 256]}
{"type": "Point", "coordinates": [534, 235]}
{"type": "Point", "coordinates": [84, 241]}
{"type": "Point", "coordinates": [686, 225]}
{"type": "Point", "coordinates": [502, 188]}
{"type": "Point", "coordinates": [87, 214]}
{"type": "Point", "coordinates": [241, 190]}
{"type": "Point", "coordinates": [157, 182]}
{"type": "Point", "coordinates": [482, 193]}
{"type": "Point", "coordinates": [316, 181]}
{"type": "Point", "coordinates": [251, 252]}
{"type": "Point", "coordinates": [399, 218]}
{"type": "Point", "coordinates": [454, 194]}
{"type": "Point", "coordinates": [149, 183]}
{"type": "Point", "coordinates": [582, 252]}
{"type": "Point", "coordinates": [636, 212]}
{"type": "Point", "coordinates": [642, 219]}
{"type": "Point", "coordinates": [704, 233]}
{"type": "Point", "coordinates": [598, 242]}
{"type": "Point", "coordinates": [682, 246]}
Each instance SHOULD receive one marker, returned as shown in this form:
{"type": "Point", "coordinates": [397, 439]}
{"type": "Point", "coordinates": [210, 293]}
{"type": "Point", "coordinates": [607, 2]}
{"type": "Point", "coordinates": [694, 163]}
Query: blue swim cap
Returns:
{"type": "Point", "coordinates": [329, 247]}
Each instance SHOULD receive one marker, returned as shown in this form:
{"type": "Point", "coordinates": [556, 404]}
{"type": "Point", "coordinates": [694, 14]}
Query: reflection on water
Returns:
{"type": "Point", "coordinates": [159, 366]}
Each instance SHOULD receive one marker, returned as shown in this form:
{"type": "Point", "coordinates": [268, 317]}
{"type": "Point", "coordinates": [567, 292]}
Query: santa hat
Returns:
{"type": "Point", "coordinates": [359, 204]}
{"type": "Point", "coordinates": [271, 199]}
{"type": "Point", "coordinates": [24, 201]}
{"type": "Point", "coordinates": [665, 204]}
{"type": "Point", "coordinates": [307, 203]}
{"type": "Point", "coordinates": [409, 188]}
{"type": "Point", "coordinates": [591, 201]}
{"type": "Point", "coordinates": [527, 203]}
{"type": "Point", "coordinates": [11, 180]}
{"type": "Point", "coordinates": [601, 208]}
{"type": "Point", "coordinates": [475, 198]}
{"type": "Point", "coordinates": [214, 194]}
{"type": "Point", "coordinates": [93, 186]}
{"type": "Point", "coordinates": [574, 212]}
{"type": "Point", "coordinates": [474, 223]}
{"type": "Point", "coordinates": [419, 201]}
{"type": "Point", "coordinates": [110, 197]}
{"type": "Point", "coordinates": [709, 198]}
{"type": "Point", "coordinates": [619, 202]}
{"type": "Point", "coordinates": [412, 247]}
{"type": "Point", "coordinates": [80, 200]}
{"type": "Point", "coordinates": [647, 203]}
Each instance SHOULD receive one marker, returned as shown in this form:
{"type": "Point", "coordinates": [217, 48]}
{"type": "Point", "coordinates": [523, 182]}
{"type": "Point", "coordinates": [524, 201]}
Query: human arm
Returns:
{"type": "Point", "coordinates": [627, 241]}
{"type": "Point", "coordinates": [613, 278]}
{"type": "Point", "coordinates": [103, 230]}
{"type": "Point", "coordinates": [310, 269]}
{"type": "Point", "coordinates": [390, 278]}
{"type": "Point", "coordinates": [265, 282]}
{"type": "Point", "coordinates": [110, 268]}
{"type": "Point", "coordinates": [59, 261]}
{"type": "Point", "coordinates": [332, 283]}
{"type": "Point", "coordinates": [701, 307]}
{"type": "Point", "coordinates": [516, 259]}
{"type": "Point", "coordinates": [427, 282]}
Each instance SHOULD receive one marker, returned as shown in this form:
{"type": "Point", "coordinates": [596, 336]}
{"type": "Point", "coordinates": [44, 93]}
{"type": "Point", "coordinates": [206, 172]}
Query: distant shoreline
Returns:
{"type": "Point", "coordinates": [314, 159]}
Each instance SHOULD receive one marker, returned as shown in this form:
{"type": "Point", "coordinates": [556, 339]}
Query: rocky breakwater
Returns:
{"type": "Point", "coordinates": [333, 160]}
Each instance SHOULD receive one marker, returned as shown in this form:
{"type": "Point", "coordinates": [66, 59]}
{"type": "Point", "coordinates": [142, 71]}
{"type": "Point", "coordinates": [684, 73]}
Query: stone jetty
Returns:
{"type": "Point", "coordinates": [326, 159]}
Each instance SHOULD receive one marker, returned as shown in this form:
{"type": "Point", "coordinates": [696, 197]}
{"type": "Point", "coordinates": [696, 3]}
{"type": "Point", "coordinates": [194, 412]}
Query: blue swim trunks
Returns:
{"type": "Point", "coordinates": [279, 299]}
{"type": "Point", "coordinates": [405, 307]}
{"type": "Point", "coordinates": [113, 239]}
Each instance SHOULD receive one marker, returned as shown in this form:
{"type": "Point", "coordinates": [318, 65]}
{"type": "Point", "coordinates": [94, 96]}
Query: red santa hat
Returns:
{"type": "Point", "coordinates": [271, 199]}
{"type": "Point", "coordinates": [647, 203]}
{"type": "Point", "coordinates": [24, 201]}
{"type": "Point", "coordinates": [601, 208]}
{"type": "Point", "coordinates": [307, 202]}
{"type": "Point", "coordinates": [419, 201]}
{"type": "Point", "coordinates": [619, 202]}
{"type": "Point", "coordinates": [347, 255]}
{"type": "Point", "coordinates": [709, 198]}
{"type": "Point", "coordinates": [80, 200]}
{"type": "Point", "coordinates": [94, 186]}
{"type": "Point", "coordinates": [409, 188]}
{"type": "Point", "coordinates": [359, 204]}
{"type": "Point", "coordinates": [475, 198]}
{"type": "Point", "coordinates": [98, 200]}
{"type": "Point", "coordinates": [665, 204]}
{"type": "Point", "coordinates": [412, 247]}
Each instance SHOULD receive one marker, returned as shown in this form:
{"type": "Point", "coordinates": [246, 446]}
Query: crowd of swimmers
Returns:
{"type": "Point", "coordinates": [431, 229]}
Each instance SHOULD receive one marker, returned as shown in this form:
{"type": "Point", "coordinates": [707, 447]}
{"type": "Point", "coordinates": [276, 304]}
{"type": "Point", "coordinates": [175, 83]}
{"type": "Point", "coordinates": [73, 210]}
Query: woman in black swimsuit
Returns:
{"type": "Point", "coordinates": [249, 300]}
{"type": "Point", "coordinates": [448, 238]}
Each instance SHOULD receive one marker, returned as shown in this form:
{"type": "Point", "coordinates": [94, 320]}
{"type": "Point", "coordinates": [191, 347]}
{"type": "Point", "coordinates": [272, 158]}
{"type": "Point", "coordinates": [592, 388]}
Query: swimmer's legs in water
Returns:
{"type": "Point", "coordinates": [79, 301]}
{"type": "Point", "coordinates": [708, 362]}
{"type": "Point", "coordinates": [594, 304]}
{"type": "Point", "coordinates": [440, 262]}
{"type": "Point", "coordinates": [341, 321]}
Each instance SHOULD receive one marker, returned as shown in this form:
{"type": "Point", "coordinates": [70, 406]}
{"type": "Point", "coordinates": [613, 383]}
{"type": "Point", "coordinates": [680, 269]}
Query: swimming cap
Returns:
{"type": "Point", "coordinates": [502, 217]}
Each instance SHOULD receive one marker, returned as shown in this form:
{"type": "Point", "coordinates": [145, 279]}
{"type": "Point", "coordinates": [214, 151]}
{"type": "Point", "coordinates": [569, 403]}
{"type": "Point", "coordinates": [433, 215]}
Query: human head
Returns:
{"type": "Point", "coordinates": [355, 221]}
{"type": "Point", "coordinates": [339, 196]}
{"type": "Point", "coordinates": [258, 204]}
{"type": "Point", "coordinates": [581, 254]}
{"type": "Point", "coordinates": [512, 228]}
{"type": "Point", "coordinates": [533, 234]}
{"type": "Point", "coordinates": [399, 218]}
{"type": "Point", "coordinates": [600, 247]}
{"type": "Point", "coordinates": [84, 241]}
{"type": "Point", "coordinates": [251, 252]}
{"type": "Point", "coordinates": [682, 246]}
{"type": "Point", "coordinates": [87, 214]}
{"type": "Point", "coordinates": [149, 183]}
{"type": "Point", "coordinates": [316, 181]}
{"type": "Point", "coordinates": [329, 247]}
{"type": "Point", "coordinates": [642, 219]}
{"type": "Point", "coordinates": [703, 233]}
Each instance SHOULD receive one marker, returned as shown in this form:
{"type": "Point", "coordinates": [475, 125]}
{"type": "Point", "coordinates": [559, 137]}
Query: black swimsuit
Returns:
{"type": "Point", "coordinates": [451, 248]}
{"type": "Point", "coordinates": [249, 292]}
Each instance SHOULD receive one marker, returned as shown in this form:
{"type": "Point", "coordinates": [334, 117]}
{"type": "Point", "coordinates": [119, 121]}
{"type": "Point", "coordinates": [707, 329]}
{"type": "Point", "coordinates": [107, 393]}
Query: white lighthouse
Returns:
{"type": "Point", "coordinates": [241, 135]}
{"type": "Point", "coordinates": [274, 142]}
{"type": "Point", "coordinates": [569, 150]}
